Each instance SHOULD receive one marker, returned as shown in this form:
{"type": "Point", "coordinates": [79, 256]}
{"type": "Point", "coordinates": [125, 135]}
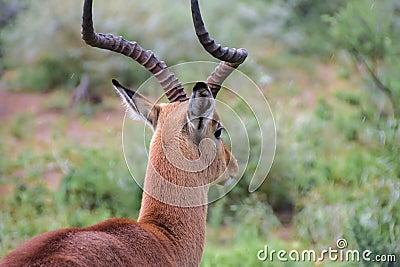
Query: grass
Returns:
{"type": "Point", "coordinates": [22, 126]}
{"type": "Point", "coordinates": [334, 186]}
{"type": "Point", "coordinates": [89, 192]}
{"type": "Point", "coordinates": [336, 168]}
{"type": "Point", "coordinates": [29, 163]}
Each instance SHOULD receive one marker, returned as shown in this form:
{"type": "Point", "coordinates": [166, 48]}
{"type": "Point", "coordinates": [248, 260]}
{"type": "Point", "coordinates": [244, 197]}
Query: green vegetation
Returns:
{"type": "Point", "coordinates": [329, 70]}
{"type": "Point", "coordinates": [369, 31]}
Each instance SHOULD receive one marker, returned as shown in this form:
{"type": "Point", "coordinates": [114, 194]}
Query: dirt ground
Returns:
{"type": "Point", "coordinates": [106, 125]}
{"type": "Point", "coordinates": [89, 132]}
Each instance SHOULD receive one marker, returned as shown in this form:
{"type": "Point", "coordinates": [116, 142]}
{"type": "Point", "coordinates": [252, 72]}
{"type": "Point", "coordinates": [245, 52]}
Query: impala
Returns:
{"type": "Point", "coordinates": [186, 156]}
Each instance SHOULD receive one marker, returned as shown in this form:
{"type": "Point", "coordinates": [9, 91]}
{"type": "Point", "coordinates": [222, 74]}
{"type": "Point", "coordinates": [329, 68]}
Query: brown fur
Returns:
{"type": "Point", "coordinates": [165, 235]}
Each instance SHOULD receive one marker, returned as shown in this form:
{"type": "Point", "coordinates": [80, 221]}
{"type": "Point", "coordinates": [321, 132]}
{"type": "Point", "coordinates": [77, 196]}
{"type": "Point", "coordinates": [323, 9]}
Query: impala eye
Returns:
{"type": "Point", "coordinates": [218, 132]}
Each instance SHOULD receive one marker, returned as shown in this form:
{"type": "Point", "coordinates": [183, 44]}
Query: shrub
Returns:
{"type": "Point", "coordinates": [376, 224]}
{"type": "Point", "coordinates": [368, 31]}
{"type": "Point", "coordinates": [45, 49]}
{"type": "Point", "coordinates": [47, 74]}
{"type": "Point", "coordinates": [22, 126]}
{"type": "Point", "coordinates": [101, 181]}
{"type": "Point", "coordinates": [308, 31]}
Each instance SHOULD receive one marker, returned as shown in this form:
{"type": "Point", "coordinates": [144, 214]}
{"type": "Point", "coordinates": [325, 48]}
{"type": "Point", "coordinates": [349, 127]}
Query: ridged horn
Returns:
{"type": "Point", "coordinates": [231, 57]}
{"type": "Point", "coordinates": [168, 81]}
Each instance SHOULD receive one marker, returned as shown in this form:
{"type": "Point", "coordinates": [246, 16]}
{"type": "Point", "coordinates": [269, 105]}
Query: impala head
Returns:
{"type": "Point", "coordinates": [187, 135]}
{"type": "Point", "coordinates": [187, 131]}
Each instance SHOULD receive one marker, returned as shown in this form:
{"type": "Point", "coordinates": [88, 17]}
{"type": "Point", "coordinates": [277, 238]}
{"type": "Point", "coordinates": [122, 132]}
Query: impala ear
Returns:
{"type": "Point", "coordinates": [201, 107]}
{"type": "Point", "coordinates": [139, 107]}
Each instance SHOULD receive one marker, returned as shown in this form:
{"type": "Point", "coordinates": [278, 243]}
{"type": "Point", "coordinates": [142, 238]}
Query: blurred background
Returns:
{"type": "Point", "coordinates": [329, 69]}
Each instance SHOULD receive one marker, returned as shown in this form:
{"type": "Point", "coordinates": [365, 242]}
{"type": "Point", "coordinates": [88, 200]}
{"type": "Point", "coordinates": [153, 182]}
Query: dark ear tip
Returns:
{"type": "Point", "coordinates": [115, 83]}
{"type": "Point", "coordinates": [199, 85]}
{"type": "Point", "coordinates": [119, 86]}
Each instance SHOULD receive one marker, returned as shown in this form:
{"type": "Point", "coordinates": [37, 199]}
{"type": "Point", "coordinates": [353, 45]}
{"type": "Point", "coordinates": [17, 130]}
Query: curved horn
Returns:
{"type": "Point", "coordinates": [231, 57]}
{"type": "Point", "coordinates": [169, 82]}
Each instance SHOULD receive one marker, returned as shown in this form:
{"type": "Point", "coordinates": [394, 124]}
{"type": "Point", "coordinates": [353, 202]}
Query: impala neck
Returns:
{"type": "Point", "coordinates": [184, 229]}
{"type": "Point", "coordinates": [172, 209]}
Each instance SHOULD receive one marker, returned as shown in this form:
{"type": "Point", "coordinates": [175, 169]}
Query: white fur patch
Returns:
{"type": "Point", "coordinates": [131, 107]}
